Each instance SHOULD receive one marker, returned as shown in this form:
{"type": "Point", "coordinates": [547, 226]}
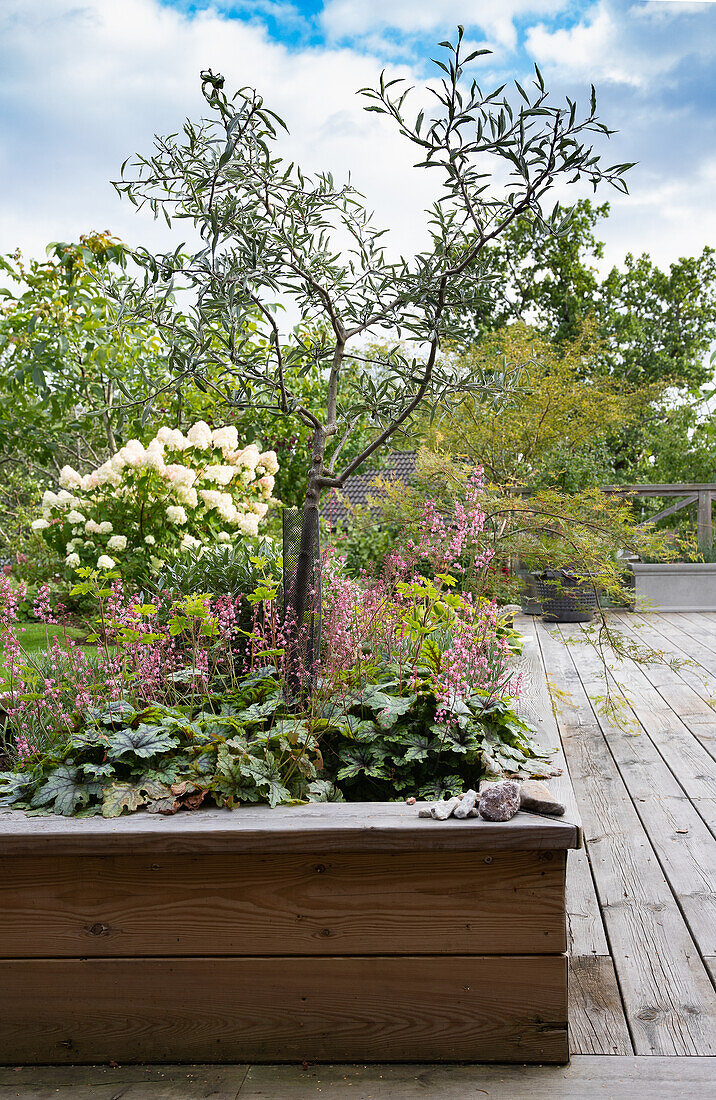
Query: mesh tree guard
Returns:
{"type": "Point", "coordinates": [303, 639]}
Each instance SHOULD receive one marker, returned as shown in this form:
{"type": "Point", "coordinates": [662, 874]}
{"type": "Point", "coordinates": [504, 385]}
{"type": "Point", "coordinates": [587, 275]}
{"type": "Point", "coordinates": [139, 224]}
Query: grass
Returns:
{"type": "Point", "coordinates": [34, 637]}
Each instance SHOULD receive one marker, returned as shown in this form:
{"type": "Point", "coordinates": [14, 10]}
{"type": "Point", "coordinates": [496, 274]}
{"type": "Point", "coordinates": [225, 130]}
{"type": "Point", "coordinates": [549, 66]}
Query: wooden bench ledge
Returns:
{"type": "Point", "coordinates": [321, 827]}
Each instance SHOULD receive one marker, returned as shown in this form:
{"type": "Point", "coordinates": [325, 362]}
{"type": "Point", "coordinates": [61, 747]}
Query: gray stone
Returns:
{"type": "Point", "coordinates": [500, 801]}
{"type": "Point", "coordinates": [467, 803]}
{"type": "Point", "coordinates": [425, 811]}
{"type": "Point", "coordinates": [441, 810]}
{"type": "Point", "coordinates": [538, 798]}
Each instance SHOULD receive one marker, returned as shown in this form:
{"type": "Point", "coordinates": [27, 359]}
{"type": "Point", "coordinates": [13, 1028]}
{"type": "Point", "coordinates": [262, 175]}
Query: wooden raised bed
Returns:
{"type": "Point", "coordinates": [338, 932]}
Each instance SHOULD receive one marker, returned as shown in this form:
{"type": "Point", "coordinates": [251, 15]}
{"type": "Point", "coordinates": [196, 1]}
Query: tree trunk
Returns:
{"type": "Point", "coordinates": [299, 597]}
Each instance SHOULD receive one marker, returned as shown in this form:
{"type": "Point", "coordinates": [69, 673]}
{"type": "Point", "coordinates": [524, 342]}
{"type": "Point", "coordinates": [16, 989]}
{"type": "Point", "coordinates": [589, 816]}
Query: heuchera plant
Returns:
{"type": "Point", "coordinates": [145, 505]}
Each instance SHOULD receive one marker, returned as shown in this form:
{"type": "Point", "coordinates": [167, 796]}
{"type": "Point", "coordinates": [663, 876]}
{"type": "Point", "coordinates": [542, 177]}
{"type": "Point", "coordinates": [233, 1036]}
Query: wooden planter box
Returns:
{"type": "Point", "coordinates": [675, 586]}
{"type": "Point", "coordinates": [338, 932]}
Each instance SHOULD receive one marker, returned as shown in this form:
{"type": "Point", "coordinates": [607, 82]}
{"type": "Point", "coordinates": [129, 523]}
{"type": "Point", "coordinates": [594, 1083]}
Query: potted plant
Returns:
{"type": "Point", "coordinates": [566, 596]}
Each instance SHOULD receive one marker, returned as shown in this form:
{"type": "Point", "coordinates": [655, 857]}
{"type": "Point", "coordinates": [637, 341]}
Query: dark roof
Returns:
{"type": "Point", "coordinates": [399, 466]}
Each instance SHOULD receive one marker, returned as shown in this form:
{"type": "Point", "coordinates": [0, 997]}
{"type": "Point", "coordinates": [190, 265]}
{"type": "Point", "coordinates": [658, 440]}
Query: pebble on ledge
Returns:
{"type": "Point", "coordinates": [497, 801]}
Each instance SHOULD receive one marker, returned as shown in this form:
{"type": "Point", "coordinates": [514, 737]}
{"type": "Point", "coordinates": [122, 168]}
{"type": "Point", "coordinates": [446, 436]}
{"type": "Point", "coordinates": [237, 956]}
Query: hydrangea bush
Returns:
{"type": "Point", "coordinates": [149, 503]}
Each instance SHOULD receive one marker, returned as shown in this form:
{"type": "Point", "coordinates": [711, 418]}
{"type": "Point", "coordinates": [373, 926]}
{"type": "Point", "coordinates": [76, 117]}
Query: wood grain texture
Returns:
{"type": "Point", "coordinates": [445, 1008]}
{"type": "Point", "coordinates": [711, 967]}
{"type": "Point", "coordinates": [597, 1024]}
{"type": "Point", "coordinates": [339, 904]}
{"type": "Point", "coordinates": [587, 1077]}
{"type": "Point", "coordinates": [585, 927]}
{"type": "Point", "coordinates": [685, 847]}
{"type": "Point", "coordinates": [122, 1082]}
{"type": "Point", "coordinates": [321, 827]}
{"type": "Point", "coordinates": [667, 994]}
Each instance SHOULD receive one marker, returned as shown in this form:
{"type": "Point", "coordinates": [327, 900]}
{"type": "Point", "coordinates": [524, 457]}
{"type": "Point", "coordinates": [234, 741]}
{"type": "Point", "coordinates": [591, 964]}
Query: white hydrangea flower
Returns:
{"type": "Point", "coordinates": [249, 457]}
{"type": "Point", "coordinates": [49, 499]}
{"type": "Point", "coordinates": [186, 495]}
{"type": "Point", "coordinates": [247, 524]}
{"type": "Point", "coordinates": [72, 546]}
{"type": "Point", "coordinates": [105, 528]}
{"type": "Point", "coordinates": [64, 498]}
{"type": "Point", "coordinates": [259, 508]}
{"type": "Point", "coordinates": [226, 438]}
{"type": "Point", "coordinates": [92, 527]}
{"type": "Point", "coordinates": [173, 439]}
{"type": "Point", "coordinates": [223, 536]}
{"type": "Point", "coordinates": [269, 461]}
{"type": "Point", "coordinates": [199, 435]}
{"type": "Point", "coordinates": [179, 475]}
{"type": "Point", "coordinates": [39, 524]}
{"type": "Point", "coordinates": [75, 517]}
{"type": "Point", "coordinates": [189, 543]}
{"type": "Point", "coordinates": [221, 475]}
{"type": "Point", "coordinates": [89, 545]}
{"type": "Point", "coordinates": [117, 542]}
{"type": "Point", "coordinates": [154, 456]}
{"type": "Point", "coordinates": [134, 453]}
{"type": "Point", "coordinates": [176, 514]}
{"type": "Point", "coordinates": [226, 507]}
{"type": "Point", "coordinates": [210, 497]}
{"type": "Point", "coordinates": [266, 484]}
{"type": "Point", "coordinates": [155, 564]}
{"type": "Point", "coordinates": [72, 560]}
{"type": "Point", "coordinates": [149, 540]}
{"type": "Point", "coordinates": [69, 478]}
{"type": "Point", "coordinates": [105, 562]}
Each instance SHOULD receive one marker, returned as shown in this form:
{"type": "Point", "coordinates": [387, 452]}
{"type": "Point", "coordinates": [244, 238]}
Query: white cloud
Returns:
{"type": "Point", "coordinates": [86, 83]}
{"type": "Point", "coordinates": [610, 45]}
{"type": "Point", "coordinates": [354, 18]}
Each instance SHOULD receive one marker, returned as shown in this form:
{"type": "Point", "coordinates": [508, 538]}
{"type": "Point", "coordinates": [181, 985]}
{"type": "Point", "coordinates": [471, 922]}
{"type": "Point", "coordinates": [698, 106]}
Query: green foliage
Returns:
{"type": "Point", "coordinates": [161, 759]}
{"type": "Point", "coordinates": [653, 327]}
{"type": "Point", "coordinates": [382, 743]}
{"type": "Point", "coordinates": [64, 365]}
{"type": "Point", "coordinates": [555, 428]}
{"type": "Point", "coordinates": [546, 529]}
{"type": "Point", "coordinates": [227, 570]}
{"type": "Point", "coordinates": [390, 742]}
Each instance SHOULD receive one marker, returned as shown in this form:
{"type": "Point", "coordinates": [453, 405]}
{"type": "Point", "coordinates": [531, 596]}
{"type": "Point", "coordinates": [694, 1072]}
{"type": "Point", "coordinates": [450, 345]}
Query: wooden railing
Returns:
{"type": "Point", "coordinates": [700, 493]}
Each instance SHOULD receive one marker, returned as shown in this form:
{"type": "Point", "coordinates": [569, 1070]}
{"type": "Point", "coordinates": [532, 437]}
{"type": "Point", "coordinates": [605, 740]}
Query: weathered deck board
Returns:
{"type": "Point", "coordinates": [588, 1077]}
{"type": "Point", "coordinates": [685, 847]}
{"type": "Point", "coordinates": [584, 921]}
{"type": "Point", "coordinates": [597, 1024]}
{"type": "Point", "coordinates": [318, 827]}
{"type": "Point", "coordinates": [665, 987]}
{"type": "Point", "coordinates": [685, 691]}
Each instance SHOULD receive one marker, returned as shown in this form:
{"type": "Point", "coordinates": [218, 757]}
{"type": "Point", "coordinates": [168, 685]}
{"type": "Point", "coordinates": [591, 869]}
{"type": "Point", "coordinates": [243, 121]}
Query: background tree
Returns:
{"type": "Point", "coordinates": [556, 426]}
{"type": "Point", "coordinates": [270, 231]}
{"type": "Point", "coordinates": [654, 326]}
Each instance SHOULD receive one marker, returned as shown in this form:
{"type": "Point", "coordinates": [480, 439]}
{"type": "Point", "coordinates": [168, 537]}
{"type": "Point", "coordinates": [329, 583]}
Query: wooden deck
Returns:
{"type": "Point", "coordinates": [641, 896]}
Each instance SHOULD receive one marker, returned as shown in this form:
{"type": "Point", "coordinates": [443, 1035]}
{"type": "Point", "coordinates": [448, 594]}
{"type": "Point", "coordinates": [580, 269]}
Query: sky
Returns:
{"type": "Point", "coordinates": [86, 83]}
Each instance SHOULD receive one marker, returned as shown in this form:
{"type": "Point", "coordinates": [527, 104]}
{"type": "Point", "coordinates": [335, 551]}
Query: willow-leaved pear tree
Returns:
{"type": "Point", "coordinates": [271, 233]}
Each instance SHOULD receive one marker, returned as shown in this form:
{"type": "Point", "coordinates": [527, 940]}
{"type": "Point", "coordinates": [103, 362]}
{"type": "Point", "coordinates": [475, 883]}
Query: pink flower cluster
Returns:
{"type": "Point", "coordinates": [136, 660]}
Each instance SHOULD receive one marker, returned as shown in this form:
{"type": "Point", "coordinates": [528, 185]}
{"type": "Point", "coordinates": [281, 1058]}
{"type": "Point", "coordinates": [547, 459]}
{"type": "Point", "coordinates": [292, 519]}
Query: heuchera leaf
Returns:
{"type": "Point", "coordinates": [145, 741]}
{"type": "Point", "coordinates": [122, 796]}
{"type": "Point", "coordinates": [65, 789]}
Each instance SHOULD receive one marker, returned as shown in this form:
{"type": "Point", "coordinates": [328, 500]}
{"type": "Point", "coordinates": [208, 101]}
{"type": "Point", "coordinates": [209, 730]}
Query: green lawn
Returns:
{"type": "Point", "coordinates": [36, 636]}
